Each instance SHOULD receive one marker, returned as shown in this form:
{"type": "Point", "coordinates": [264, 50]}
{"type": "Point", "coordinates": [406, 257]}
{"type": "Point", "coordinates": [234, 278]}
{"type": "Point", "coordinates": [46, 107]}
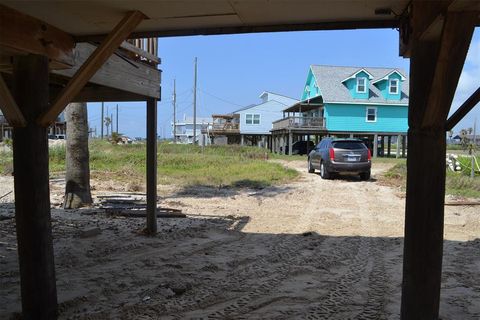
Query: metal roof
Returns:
{"type": "Point", "coordinates": [191, 17]}
{"type": "Point", "coordinates": [329, 81]}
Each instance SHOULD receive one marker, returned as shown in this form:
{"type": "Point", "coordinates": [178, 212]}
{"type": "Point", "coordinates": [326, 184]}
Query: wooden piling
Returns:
{"type": "Point", "coordinates": [151, 165]}
{"type": "Point", "coordinates": [32, 194]}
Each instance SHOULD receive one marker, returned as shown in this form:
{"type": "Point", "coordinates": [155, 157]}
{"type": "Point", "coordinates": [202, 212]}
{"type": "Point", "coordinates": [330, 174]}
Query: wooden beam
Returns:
{"type": "Point", "coordinates": [105, 94]}
{"type": "Point", "coordinates": [462, 111]}
{"type": "Point", "coordinates": [32, 195]}
{"type": "Point", "coordinates": [91, 66]}
{"type": "Point", "coordinates": [119, 73]}
{"type": "Point", "coordinates": [331, 25]}
{"type": "Point", "coordinates": [430, 25]}
{"type": "Point", "coordinates": [9, 107]}
{"type": "Point", "coordinates": [456, 36]}
{"type": "Point", "coordinates": [23, 34]}
{"type": "Point", "coordinates": [464, 6]}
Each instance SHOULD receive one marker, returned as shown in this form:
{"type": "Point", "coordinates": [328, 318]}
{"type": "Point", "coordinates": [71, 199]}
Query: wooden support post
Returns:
{"type": "Point", "coordinates": [389, 143]}
{"type": "Point", "coordinates": [435, 66]}
{"type": "Point", "coordinates": [316, 139]}
{"type": "Point", "coordinates": [91, 66]}
{"type": "Point", "coordinates": [423, 244]}
{"type": "Point", "coordinates": [308, 146]}
{"type": "Point", "coordinates": [404, 143]}
{"type": "Point", "coordinates": [242, 139]}
{"type": "Point", "coordinates": [32, 194]}
{"type": "Point", "coordinates": [151, 166]}
{"type": "Point", "coordinates": [290, 142]}
{"type": "Point", "coordinates": [282, 144]}
{"type": "Point", "coordinates": [399, 140]}
{"type": "Point", "coordinates": [382, 143]}
{"type": "Point", "coordinates": [375, 145]}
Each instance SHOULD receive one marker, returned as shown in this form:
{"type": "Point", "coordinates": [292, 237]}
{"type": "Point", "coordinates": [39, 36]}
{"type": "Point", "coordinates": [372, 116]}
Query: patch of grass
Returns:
{"type": "Point", "coordinates": [456, 183]}
{"type": "Point", "coordinates": [57, 158]}
{"type": "Point", "coordinates": [461, 185]}
{"type": "Point", "coordinates": [397, 172]}
{"type": "Point", "coordinates": [388, 160]}
{"type": "Point", "coordinates": [454, 147]}
{"type": "Point", "coordinates": [227, 166]}
{"type": "Point", "coordinates": [216, 166]}
{"type": "Point", "coordinates": [6, 162]}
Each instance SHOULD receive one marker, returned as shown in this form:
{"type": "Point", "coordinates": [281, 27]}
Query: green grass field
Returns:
{"type": "Point", "coordinates": [227, 166]}
{"type": "Point", "coordinates": [457, 183]}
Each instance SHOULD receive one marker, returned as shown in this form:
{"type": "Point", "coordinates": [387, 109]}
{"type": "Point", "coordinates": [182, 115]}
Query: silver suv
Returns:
{"type": "Point", "coordinates": [334, 155]}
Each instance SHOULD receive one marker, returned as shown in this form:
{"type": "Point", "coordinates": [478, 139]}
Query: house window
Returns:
{"type": "Point", "coordinates": [393, 86]}
{"type": "Point", "coordinates": [371, 114]}
{"type": "Point", "coordinates": [361, 85]}
{"type": "Point", "coordinates": [252, 118]}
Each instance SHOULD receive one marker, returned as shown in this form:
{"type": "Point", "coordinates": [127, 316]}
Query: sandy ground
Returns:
{"type": "Point", "coordinates": [312, 249]}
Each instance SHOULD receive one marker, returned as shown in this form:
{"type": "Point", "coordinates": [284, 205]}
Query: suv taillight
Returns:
{"type": "Point", "coordinates": [332, 154]}
{"type": "Point", "coordinates": [369, 155]}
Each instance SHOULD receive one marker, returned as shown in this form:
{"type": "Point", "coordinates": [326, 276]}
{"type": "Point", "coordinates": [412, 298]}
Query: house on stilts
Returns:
{"type": "Point", "coordinates": [367, 103]}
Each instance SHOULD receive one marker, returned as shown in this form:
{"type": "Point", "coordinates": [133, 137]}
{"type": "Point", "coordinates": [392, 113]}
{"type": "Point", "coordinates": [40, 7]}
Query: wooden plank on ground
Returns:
{"type": "Point", "coordinates": [463, 203]}
{"type": "Point", "coordinates": [142, 213]}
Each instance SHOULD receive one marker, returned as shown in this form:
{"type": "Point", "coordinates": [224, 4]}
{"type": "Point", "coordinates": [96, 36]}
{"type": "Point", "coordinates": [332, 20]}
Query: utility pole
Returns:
{"type": "Point", "coordinates": [174, 113]}
{"type": "Point", "coordinates": [472, 172]}
{"type": "Point", "coordinates": [117, 118]}
{"type": "Point", "coordinates": [107, 125]}
{"type": "Point", "coordinates": [195, 105]}
{"type": "Point", "coordinates": [101, 127]}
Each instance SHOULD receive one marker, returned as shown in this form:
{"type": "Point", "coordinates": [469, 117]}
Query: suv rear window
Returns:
{"type": "Point", "coordinates": [349, 145]}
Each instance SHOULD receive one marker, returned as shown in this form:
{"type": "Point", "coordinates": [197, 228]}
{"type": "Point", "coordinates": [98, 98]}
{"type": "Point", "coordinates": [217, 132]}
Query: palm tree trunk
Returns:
{"type": "Point", "coordinates": [77, 176]}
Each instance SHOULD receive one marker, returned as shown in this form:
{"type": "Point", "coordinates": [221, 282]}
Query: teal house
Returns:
{"type": "Point", "coordinates": [363, 102]}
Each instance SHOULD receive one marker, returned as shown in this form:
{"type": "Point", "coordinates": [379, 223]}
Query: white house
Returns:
{"type": "Point", "coordinates": [184, 130]}
{"type": "Point", "coordinates": [256, 120]}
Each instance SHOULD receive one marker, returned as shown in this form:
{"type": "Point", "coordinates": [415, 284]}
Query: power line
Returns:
{"type": "Point", "coordinates": [221, 99]}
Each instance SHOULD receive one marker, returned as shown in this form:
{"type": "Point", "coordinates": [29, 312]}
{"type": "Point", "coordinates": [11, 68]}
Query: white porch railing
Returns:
{"type": "Point", "coordinates": [299, 122]}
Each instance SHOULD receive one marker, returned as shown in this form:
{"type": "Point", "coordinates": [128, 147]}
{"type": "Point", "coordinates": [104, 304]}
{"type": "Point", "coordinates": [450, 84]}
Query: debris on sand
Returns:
{"type": "Point", "coordinates": [88, 233]}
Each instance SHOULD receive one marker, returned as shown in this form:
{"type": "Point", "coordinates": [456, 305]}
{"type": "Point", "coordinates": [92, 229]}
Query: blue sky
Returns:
{"type": "Point", "coordinates": [234, 69]}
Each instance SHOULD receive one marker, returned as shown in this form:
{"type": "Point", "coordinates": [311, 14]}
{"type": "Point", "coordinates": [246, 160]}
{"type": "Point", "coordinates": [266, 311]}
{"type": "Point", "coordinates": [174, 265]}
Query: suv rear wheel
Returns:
{"type": "Point", "coordinates": [365, 175]}
{"type": "Point", "coordinates": [311, 169]}
{"type": "Point", "coordinates": [324, 172]}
